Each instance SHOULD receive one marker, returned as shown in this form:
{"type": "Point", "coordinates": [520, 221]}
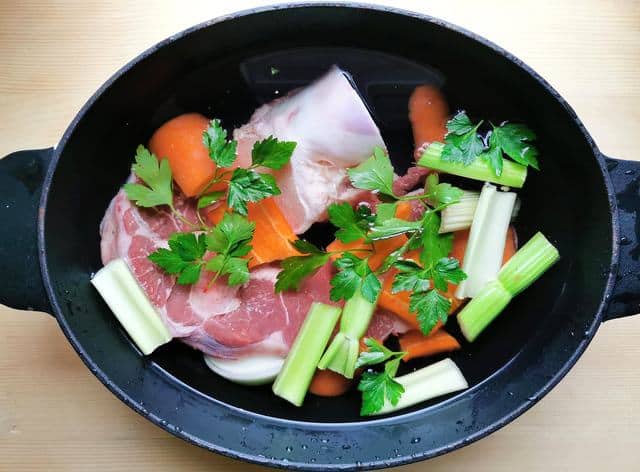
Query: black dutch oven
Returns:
{"type": "Point", "coordinates": [52, 201]}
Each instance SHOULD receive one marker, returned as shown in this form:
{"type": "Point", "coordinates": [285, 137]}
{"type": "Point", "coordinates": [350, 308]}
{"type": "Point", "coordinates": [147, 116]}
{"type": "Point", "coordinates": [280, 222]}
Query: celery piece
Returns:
{"type": "Point", "coordinates": [483, 309]}
{"type": "Point", "coordinates": [459, 215]}
{"type": "Point", "coordinates": [528, 264]}
{"type": "Point", "coordinates": [342, 354]}
{"type": "Point", "coordinates": [429, 382]}
{"type": "Point", "coordinates": [293, 380]}
{"type": "Point", "coordinates": [513, 174]}
{"type": "Point", "coordinates": [485, 249]}
{"type": "Point", "coordinates": [128, 302]}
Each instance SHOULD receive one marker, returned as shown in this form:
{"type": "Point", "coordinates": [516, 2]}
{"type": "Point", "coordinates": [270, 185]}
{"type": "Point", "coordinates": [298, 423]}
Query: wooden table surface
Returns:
{"type": "Point", "coordinates": [54, 415]}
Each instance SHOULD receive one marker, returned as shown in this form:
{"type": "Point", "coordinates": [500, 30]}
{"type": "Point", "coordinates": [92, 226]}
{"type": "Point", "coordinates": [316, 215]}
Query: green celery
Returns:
{"type": "Point", "coordinates": [342, 354]}
{"type": "Point", "coordinates": [526, 266]}
{"type": "Point", "coordinates": [293, 380]}
{"type": "Point", "coordinates": [459, 215]}
{"type": "Point", "coordinates": [513, 174]}
{"type": "Point", "coordinates": [433, 381]}
{"type": "Point", "coordinates": [128, 302]}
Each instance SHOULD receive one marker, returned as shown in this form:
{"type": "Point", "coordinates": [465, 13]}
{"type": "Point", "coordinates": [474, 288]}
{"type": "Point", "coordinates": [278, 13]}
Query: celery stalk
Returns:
{"type": "Point", "coordinates": [483, 309]}
{"type": "Point", "coordinates": [459, 215]}
{"type": "Point", "coordinates": [342, 354]}
{"type": "Point", "coordinates": [429, 382]}
{"type": "Point", "coordinates": [485, 249]}
{"type": "Point", "coordinates": [513, 174]}
{"type": "Point", "coordinates": [128, 302]}
{"type": "Point", "coordinates": [293, 380]}
{"type": "Point", "coordinates": [527, 265]}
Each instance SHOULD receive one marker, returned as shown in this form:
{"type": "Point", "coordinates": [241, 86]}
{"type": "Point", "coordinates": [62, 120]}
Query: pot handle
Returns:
{"type": "Point", "coordinates": [21, 177]}
{"type": "Point", "coordinates": [625, 177]}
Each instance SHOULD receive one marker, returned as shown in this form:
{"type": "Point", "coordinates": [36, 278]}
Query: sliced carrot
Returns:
{"type": "Point", "coordinates": [327, 383]}
{"type": "Point", "coordinates": [511, 245]}
{"type": "Point", "coordinates": [403, 210]}
{"type": "Point", "coordinates": [273, 235]}
{"type": "Point", "coordinates": [428, 112]}
{"type": "Point", "coordinates": [180, 141]}
{"type": "Point", "coordinates": [416, 344]}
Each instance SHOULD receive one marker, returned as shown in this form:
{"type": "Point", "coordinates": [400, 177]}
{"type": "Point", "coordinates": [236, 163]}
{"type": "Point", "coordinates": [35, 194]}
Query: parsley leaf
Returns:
{"type": "Point", "coordinates": [375, 388]}
{"type": "Point", "coordinates": [462, 143]}
{"type": "Point", "coordinates": [393, 227]}
{"type": "Point", "coordinates": [376, 353]}
{"type": "Point", "coordinates": [230, 240]}
{"type": "Point", "coordinates": [515, 141]}
{"type": "Point", "coordinates": [183, 258]}
{"type": "Point", "coordinates": [231, 236]}
{"type": "Point", "coordinates": [430, 307]}
{"type": "Point", "coordinates": [305, 247]}
{"type": "Point", "coordinates": [435, 246]}
{"type": "Point", "coordinates": [493, 156]}
{"type": "Point", "coordinates": [247, 185]}
{"type": "Point", "coordinates": [447, 270]}
{"type": "Point", "coordinates": [272, 153]}
{"type": "Point", "coordinates": [441, 193]}
{"type": "Point", "coordinates": [221, 151]}
{"type": "Point", "coordinates": [157, 177]}
{"type": "Point", "coordinates": [354, 274]}
{"type": "Point", "coordinates": [296, 268]}
{"type": "Point", "coordinates": [385, 211]}
{"type": "Point", "coordinates": [236, 268]}
{"type": "Point", "coordinates": [376, 173]}
{"type": "Point", "coordinates": [209, 199]}
{"type": "Point", "coordinates": [410, 277]}
{"type": "Point", "coordinates": [353, 224]}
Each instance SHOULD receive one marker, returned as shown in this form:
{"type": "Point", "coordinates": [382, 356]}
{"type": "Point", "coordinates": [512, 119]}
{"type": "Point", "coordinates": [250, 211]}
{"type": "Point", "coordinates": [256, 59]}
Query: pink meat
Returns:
{"type": "Point", "coordinates": [219, 320]}
{"type": "Point", "coordinates": [384, 323]}
{"type": "Point", "coordinates": [333, 131]}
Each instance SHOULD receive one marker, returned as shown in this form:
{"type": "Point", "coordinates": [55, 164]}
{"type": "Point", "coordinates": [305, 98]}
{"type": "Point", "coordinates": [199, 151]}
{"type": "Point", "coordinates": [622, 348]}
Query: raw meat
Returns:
{"type": "Point", "coordinates": [220, 320]}
{"type": "Point", "coordinates": [333, 131]}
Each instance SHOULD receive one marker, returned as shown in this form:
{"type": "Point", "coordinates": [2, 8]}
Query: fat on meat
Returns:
{"type": "Point", "coordinates": [333, 130]}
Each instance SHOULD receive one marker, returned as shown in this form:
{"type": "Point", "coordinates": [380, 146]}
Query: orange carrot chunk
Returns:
{"type": "Point", "coordinates": [327, 383]}
{"type": "Point", "coordinates": [273, 235]}
{"type": "Point", "coordinates": [416, 344]}
{"type": "Point", "coordinates": [180, 141]}
{"type": "Point", "coordinates": [428, 112]}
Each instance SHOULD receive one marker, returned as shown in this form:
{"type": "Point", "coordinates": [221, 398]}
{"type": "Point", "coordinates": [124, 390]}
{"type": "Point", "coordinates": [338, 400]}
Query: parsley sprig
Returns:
{"type": "Point", "coordinates": [427, 281]}
{"type": "Point", "coordinates": [378, 387]}
{"type": "Point", "coordinates": [463, 143]}
{"type": "Point", "coordinates": [244, 185]}
{"type": "Point", "coordinates": [227, 242]}
{"type": "Point", "coordinates": [220, 249]}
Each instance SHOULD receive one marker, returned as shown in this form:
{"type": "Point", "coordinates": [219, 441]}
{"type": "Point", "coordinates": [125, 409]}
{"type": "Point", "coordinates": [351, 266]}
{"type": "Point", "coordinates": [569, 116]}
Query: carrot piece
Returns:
{"type": "Point", "coordinates": [327, 383]}
{"type": "Point", "coordinates": [511, 244]}
{"type": "Point", "coordinates": [180, 141]}
{"type": "Point", "coordinates": [416, 344]}
{"type": "Point", "coordinates": [338, 246]}
{"type": "Point", "coordinates": [428, 112]}
{"type": "Point", "coordinates": [273, 235]}
{"type": "Point", "coordinates": [403, 210]}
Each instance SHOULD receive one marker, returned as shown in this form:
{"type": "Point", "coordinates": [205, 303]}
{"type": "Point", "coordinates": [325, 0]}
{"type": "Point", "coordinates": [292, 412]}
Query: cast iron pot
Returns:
{"type": "Point", "coordinates": [52, 201]}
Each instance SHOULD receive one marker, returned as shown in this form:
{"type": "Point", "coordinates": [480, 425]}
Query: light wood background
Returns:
{"type": "Point", "coordinates": [54, 415]}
